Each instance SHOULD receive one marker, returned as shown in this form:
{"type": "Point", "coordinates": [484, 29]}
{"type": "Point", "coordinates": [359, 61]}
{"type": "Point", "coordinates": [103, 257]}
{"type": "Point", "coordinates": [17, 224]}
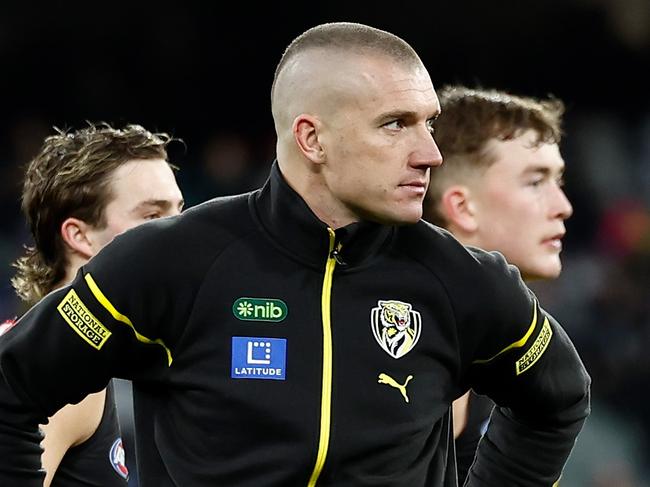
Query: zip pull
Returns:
{"type": "Point", "coordinates": [335, 249]}
{"type": "Point", "coordinates": [336, 255]}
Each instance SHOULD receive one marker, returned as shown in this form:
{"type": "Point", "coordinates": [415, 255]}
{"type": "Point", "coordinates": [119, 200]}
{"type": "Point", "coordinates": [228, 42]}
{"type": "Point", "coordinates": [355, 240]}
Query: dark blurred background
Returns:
{"type": "Point", "coordinates": [204, 75]}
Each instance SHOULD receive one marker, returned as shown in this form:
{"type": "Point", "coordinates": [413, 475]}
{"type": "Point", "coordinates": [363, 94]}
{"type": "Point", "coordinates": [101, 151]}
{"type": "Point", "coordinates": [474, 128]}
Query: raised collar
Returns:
{"type": "Point", "coordinates": [292, 224]}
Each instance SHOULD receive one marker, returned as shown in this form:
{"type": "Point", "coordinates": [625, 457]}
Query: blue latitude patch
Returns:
{"type": "Point", "coordinates": [258, 358]}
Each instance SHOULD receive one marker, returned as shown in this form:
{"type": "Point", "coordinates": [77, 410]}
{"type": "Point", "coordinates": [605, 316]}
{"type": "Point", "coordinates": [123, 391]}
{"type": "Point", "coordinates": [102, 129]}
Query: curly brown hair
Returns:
{"type": "Point", "coordinates": [70, 177]}
{"type": "Point", "coordinates": [470, 118]}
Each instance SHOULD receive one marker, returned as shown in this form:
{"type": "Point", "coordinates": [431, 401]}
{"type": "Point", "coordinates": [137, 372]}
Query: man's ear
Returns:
{"type": "Point", "coordinates": [75, 234]}
{"type": "Point", "coordinates": [459, 209]}
{"type": "Point", "coordinates": [305, 132]}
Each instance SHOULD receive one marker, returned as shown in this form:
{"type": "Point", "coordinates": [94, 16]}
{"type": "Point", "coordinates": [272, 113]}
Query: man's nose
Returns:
{"type": "Point", "coordinates": [562, 207]}
{"type": "Point", "coordinates": [427, 154]}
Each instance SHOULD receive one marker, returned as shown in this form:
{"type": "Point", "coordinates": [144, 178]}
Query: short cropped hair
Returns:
{"type": "Point", "coordinates": [70, 177]}
{"type": "Point", "coordinates": [470, 118]}
{"type": "Point", "coordinates": [348, 37]}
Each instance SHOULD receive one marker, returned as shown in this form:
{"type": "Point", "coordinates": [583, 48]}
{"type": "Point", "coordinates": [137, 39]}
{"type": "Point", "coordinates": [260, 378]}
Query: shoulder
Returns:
{"type": "Point", "coordinates": [216, 219]}
{"type": "Point", "coordinates": [438, 250]}
{"type": "Point", "coordinates": [195, 235]}
{"type": "Point", "coordinates": [474, 278]}
{"type": "Point", "coordinates": [225, 211]}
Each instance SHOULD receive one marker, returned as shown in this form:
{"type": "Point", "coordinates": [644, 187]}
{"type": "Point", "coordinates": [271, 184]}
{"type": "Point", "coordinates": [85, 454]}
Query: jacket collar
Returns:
{"type": "Point", "coordinates": [292, 224]}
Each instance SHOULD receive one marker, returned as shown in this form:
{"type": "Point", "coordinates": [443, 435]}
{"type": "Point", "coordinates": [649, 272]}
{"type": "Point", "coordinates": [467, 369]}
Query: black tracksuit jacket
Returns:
{"type": "Point", "coordinates": [268, 350]}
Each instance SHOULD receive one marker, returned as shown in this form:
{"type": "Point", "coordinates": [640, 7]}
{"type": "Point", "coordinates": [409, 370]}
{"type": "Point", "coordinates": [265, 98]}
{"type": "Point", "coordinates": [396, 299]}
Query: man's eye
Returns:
{"type": "Point", "coordinates": [152, 216]}
{"type": "Point", "coordinates": [394, 125]}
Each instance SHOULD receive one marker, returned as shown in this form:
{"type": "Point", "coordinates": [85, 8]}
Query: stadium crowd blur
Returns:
{"type": "Point", "coordinates": [211, 89]}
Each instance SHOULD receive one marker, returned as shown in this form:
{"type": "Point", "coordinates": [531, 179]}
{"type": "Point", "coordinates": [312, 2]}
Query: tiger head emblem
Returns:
{"type": "Point", "coordinates": [396, 326]}
{"type": "Point", "coordinates": [396, 315]}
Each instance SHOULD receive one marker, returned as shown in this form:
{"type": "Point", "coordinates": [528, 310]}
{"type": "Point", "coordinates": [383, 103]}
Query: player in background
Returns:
{"type": "Point", "coordinates": [499, 188]}
{"type": "Point", "coordinates": [80, 191]}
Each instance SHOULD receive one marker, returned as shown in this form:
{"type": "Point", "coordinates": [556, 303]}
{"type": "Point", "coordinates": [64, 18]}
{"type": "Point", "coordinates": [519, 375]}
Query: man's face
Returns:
{"type": "Point", "coordinates": [378, 143]}
{"type": "Point", "coordinates": [142, 190]}
{"type": "Point", "coordinates": [520, 206]}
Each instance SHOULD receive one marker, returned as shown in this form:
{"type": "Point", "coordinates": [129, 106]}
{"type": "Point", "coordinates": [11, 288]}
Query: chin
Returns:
{"type": "Point", "coordinates": [406, 221]}
{"type": "Point", "coordinates": [411, 217]}
{"type": "Point", "coordinates": [542, 272]}
{"type": "Point", "coordinates": [405, 218]}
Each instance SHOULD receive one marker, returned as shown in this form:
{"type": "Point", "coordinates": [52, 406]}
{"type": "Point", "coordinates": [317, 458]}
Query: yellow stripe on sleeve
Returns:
{"type": "Point", "coordinates": [103, 300]}
{"type": "Point", "coordinates": [518, 344]}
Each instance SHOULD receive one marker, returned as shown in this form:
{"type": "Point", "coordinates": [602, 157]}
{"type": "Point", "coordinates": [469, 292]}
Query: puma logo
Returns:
{"type": "Point", "coordinates": [387, 379]}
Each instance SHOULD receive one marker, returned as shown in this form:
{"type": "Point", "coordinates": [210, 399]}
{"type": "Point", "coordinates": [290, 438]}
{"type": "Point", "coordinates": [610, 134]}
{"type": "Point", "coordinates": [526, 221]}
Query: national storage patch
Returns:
{"type": "Point", "coordinates": [82, 320]}
{"type": "Point", "coordinates": [536, 350]}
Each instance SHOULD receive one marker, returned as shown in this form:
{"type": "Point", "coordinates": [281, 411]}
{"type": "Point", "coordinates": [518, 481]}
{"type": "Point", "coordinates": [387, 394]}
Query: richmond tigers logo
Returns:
{"type": "Point", "coordinates": [396, 327]}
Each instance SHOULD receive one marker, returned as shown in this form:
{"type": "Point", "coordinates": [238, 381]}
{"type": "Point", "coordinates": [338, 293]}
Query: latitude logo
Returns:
{"type": "Point", "coordinates": [260, 309]}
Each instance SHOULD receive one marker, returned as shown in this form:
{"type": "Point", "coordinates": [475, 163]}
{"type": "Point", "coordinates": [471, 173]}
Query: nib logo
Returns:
{"type": "Point", "coordinates": [259, 309]}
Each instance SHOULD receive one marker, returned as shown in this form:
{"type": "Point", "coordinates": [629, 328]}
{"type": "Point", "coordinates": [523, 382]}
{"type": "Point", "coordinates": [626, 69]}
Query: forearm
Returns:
{"type": "Point", "coordinates": [478, 413]}
{"type": "Point", "coordinates": [542, 389]}
{"type": "Point", "coordinates": [39, 375]}
{"type": "Point", "coordinates": [514, 452]}
{"type": "Point", "coordinates": [20, 438]}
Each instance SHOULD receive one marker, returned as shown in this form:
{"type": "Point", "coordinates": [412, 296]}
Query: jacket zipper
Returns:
{"type": "Point", "coordinates": [326, 391]}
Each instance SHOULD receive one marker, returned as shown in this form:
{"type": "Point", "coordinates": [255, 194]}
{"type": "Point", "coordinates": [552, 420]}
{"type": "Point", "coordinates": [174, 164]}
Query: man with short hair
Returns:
{"type": "Point", "coordinates": [500, 188]}
{"type": "Point", "coordinates": [313, 332]}
{"type": "Point", "coordinates": [80, 191]}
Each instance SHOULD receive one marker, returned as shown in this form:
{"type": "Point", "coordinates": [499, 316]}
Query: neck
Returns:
{"type": "Point", "coordinates": [313, 189]}
{"type": "Point", "coordinates": [75, 262]}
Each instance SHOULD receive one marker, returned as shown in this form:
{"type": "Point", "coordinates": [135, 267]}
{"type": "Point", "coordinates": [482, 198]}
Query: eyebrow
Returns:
{"type": "Point", "coordinates": [403, 115]}
{"type": "Point", "coordinates": [544, 170]}
{"type": "Point", "coordinates": [162, 204]}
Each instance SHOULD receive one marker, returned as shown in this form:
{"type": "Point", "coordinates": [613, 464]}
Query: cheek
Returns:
{"type": "Point", "coordinates": [357, 146]}
{"type": "Point", "coordinates": [511, 209]}
{"type": "Point", "coordinates": [121, 225]}
{"type": "Point", "coordinates": [359, 166]}
{"type": "Point", "coordinates": [101, 238]}
{"type": "Point", "coordinates": [505, 227]}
